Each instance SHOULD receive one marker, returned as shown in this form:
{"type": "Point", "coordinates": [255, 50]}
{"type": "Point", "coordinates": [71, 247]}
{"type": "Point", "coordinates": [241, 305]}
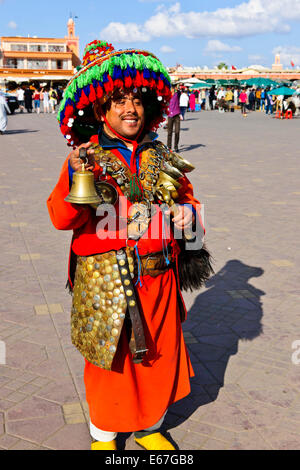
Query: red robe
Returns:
{"type": "Point", "coordinates": [132, 397]}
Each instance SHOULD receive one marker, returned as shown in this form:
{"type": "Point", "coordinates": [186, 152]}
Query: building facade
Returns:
{"type": "Point", "coordinates": [277, 72]}
{"type": "Point", "coordinates": [25, 59]}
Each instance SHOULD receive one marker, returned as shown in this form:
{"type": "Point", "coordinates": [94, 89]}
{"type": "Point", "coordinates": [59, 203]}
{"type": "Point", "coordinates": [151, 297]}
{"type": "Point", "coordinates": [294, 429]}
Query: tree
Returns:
{"type": "Point", "coordinates": [222, 65]}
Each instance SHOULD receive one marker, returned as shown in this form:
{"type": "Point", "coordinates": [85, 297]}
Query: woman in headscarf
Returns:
{"type": "Point", "coordinates": [3, 113]}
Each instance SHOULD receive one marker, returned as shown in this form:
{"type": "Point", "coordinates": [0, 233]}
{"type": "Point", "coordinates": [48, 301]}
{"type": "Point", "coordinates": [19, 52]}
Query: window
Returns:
{"type": "Point", "coordinates": [18, 47]}
{"type": "Point", "coordinates": [14, 63]}
{"type": "Point", "coordinates": [59, 64]}
{"type": "Point", "coordinates": [11, 63]}
{"type": "Point", "coordinates": [20, 63]}
{"type": "Point", "coordinates": [53, 48]}
{"type": "Point", "coordinates": [38, 48]}
{"type": "Point", "coordinates": [37, 64]}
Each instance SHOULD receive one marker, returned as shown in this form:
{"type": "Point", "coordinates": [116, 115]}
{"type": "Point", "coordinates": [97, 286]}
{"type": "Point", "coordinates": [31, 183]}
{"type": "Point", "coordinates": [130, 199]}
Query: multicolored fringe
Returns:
{"type": "Point", "coordinates": [119, 69]}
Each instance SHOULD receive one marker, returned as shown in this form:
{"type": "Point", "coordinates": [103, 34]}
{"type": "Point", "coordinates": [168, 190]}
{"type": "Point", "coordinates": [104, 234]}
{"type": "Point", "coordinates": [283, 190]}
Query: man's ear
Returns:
{"type": "Point", "coordinates": [98, 111]}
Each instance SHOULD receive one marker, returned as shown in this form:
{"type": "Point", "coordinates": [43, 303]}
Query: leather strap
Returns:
{"type": "Point", "coordinates": [138, 343]}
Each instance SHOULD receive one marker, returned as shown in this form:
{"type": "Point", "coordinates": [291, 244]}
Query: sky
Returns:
{"type": "Point", "coordinates": [190, 32]}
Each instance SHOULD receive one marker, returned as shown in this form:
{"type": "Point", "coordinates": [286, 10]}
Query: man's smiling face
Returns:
{"type": "Point", "coordinates": [126, 114]}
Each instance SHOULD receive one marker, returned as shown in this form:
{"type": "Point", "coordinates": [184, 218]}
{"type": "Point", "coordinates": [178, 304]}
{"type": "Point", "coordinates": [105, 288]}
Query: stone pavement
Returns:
{"type": "Point", "coordinates": [240, 327]}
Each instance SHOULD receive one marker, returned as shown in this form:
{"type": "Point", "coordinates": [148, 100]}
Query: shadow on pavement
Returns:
{"type": "Point", "coordinates": [186, 148]}
{"type": "Point", "coordinates": [229, 311]}
{"type": "Point", "coordinates": [20, 131]}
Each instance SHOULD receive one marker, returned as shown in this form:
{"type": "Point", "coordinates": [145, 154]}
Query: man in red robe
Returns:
{"type": "Point", "coordinates": [127, 305]}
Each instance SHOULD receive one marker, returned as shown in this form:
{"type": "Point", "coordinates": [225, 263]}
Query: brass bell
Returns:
{"type": "Point", "coordinates": [83, 189]}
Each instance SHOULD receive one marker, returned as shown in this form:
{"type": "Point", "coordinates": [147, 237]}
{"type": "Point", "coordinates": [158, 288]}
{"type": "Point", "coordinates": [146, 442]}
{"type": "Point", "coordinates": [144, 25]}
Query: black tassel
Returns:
{"type": "Point", "coordinates": [194, 268]}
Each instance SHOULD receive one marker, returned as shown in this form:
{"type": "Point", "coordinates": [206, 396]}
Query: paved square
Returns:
{"type": "Point", "coordinates": [240, 327]}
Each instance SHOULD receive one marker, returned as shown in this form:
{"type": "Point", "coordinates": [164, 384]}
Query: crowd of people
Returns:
{"type": "Point", "coordinates": [224, 100]}
{"type": "Point", "coordinates": [232, 98]}
{"type": "Point", "coordinates": [38, 100]}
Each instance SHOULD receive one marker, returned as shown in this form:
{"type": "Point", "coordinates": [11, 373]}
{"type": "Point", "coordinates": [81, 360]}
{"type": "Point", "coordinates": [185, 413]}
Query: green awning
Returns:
{"type": "Point", "coordinates": [259, 82]}
{"type": "Point", "coordinates": [282, 91]}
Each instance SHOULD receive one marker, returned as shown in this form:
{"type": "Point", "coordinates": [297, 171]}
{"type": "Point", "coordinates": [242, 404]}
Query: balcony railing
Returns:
{"type": "Point", "coordinates": [10, 66]}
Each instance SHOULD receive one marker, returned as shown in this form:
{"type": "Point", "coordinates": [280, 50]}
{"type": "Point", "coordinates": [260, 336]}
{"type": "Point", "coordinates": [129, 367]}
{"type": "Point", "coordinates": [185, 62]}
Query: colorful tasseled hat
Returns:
{"type": "Point", "coordinates": [102, 71]}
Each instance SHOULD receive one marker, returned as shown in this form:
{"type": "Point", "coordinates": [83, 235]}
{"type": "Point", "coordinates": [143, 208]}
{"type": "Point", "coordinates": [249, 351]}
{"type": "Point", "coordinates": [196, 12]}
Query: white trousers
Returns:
{"type": "Point", "coordinates": [107, 436]}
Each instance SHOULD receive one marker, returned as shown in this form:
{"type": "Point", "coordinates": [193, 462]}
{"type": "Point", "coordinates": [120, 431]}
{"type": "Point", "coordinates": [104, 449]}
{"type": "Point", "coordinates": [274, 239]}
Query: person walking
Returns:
{"type": "Point", "coordinates": [236, 97]}
{"type": "Point", "coordinates": [192, 102]}
{"type": "Point", "coordinates": [257, 98]}
{"type": "Point", "coordinates": [269, 104]}
{"type": "Point", "coordinates": [229, 99]}
{"type": "Point", "coordinates": [184, 103]}
{"type": "Point", "coordinates": [20, 98]}
{"type": "Point", "coordinates": [262, 99]}
{"type": "Point", "coordinates": [243, 101]}
{"type": "Point", "coordinates": [202, 100]}
{"type": "Point", "coordinates": [251, 99]}
{"type": "Point", "coordinates": [212, 98]}
{"type": "Point", "coordinates": [207, 99]}
{"type": "Point", "coordinates": [46, 106]}
{"type": "Point", "coordinates": [4, 109]}
{"type": "Point", "coordinates": [174, 119]}
{"type": "Point", "coordinates": [126, 311]}
{"type": "Point", "coordinates": [37, 101]}
{"type": "Point", "coordinates": [197, 95]}
{"type": "Point", "coordinates": [52, 100]}
{"type": "Point", "coordinates": [28, 99]}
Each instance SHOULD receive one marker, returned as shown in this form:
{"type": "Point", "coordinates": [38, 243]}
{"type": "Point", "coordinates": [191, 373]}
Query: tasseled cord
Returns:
{"type": "Point", "coordinates": [164, 241]}
{"type": "Point", "coordinates": [136, 190]}
{"type": "Point", "coordinates": [139, 279]}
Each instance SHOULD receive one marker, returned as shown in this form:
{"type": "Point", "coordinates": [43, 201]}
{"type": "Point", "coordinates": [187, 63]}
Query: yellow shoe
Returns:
{"type": "Point", "coordinates": [155, 441]}
{"type": "Point", "coordinates": [97, 445]}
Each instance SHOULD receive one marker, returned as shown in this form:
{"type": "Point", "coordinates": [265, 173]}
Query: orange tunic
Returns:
{"type": "Point", "coordinates": [132, 397]}
{"type": "Point", "coordinates": [136, 396]}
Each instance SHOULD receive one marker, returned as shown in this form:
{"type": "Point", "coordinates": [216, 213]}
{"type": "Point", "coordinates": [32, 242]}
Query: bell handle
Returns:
{"type": "Point", "coordinates": [83, 157]}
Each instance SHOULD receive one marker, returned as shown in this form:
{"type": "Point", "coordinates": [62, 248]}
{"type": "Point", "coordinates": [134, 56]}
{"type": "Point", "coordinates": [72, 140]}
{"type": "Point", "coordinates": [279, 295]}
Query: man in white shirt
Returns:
{"type": "Point", "coordinates": [221, 94]}
{"type": "Point", "coordinates": [20, 98]}
{"type": "Point", "coordinates": [183, 103]}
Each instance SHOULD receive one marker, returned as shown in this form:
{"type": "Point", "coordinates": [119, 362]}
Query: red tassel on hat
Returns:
{"type": "Point", "coordinates": [152, 83]}
{"type": "Point", "coordinates": [118, 83]}
{"type": "Point", "coordinates": [83, 102]}
{"type": "Point", "coordinates": [64, 129]}
{"type": "Point", "coordinates": [109, 86]}
{"type": "Point", "coordinates": [128, 82]}
{"type": "Point", "coordinates": [138, 79]}
{"type": "Point", "coordinates": [69, 111]}
{"type": "Point", "coordinates": [99, 92]}
{"type": "Point", "coordinates": [92, 95]}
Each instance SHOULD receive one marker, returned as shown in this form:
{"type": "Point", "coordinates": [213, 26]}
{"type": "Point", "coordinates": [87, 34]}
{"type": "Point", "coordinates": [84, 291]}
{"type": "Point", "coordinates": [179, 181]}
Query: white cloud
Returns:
{"type": "Point", "coordinates": [249, 18]}
{"type": "Point", "coordinates": [129, 32]}
{"type": "Point", "coordinates": [12, 25]}
{"type": "Point", "coordinates": [215, 46]}
{"type": "Point", "coordinates": [288, 54]}
{"type": "Point", "coordinates": [167, 49]}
